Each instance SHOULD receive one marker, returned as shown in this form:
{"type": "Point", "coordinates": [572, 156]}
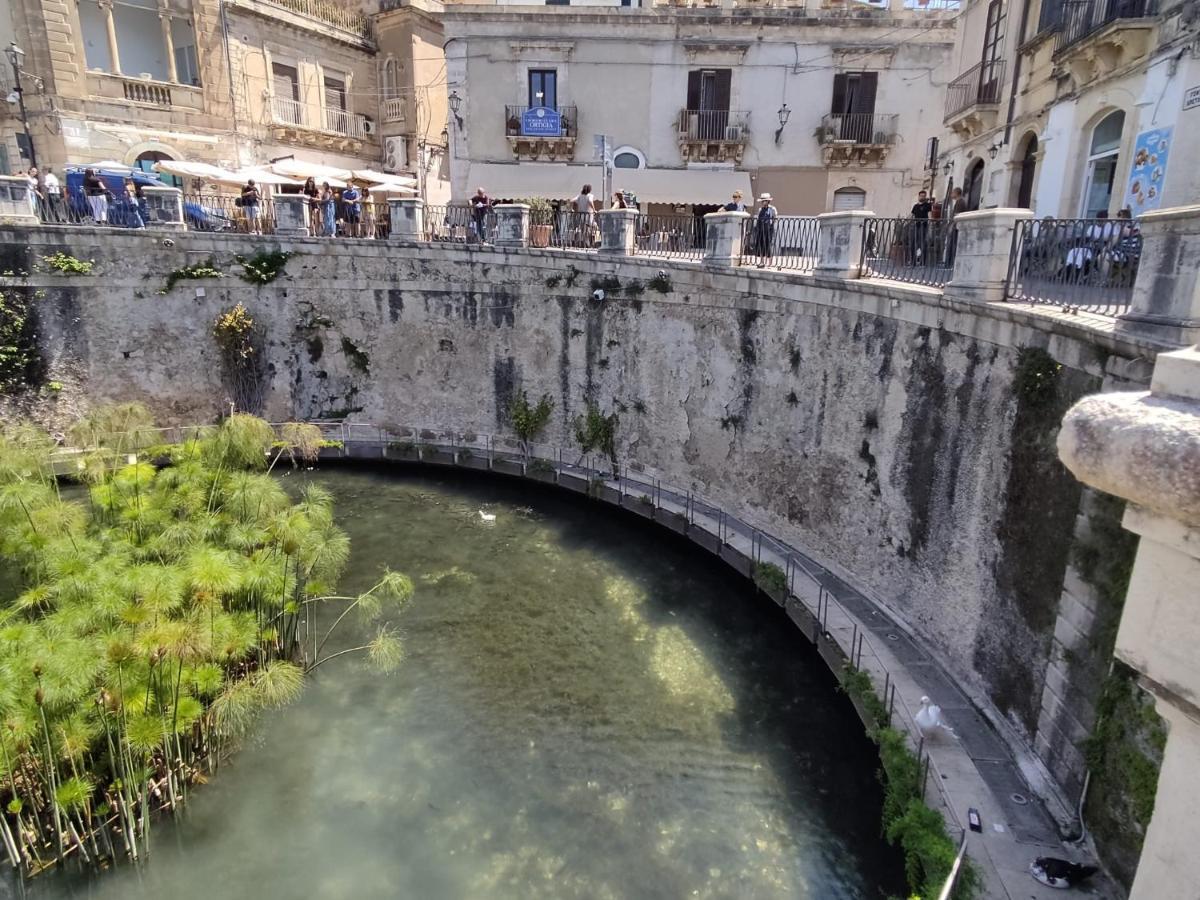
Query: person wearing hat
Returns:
{"type": "Point", "coordinates": [764, 229]}
{"type": "Point", "coordinates": [736, 204]}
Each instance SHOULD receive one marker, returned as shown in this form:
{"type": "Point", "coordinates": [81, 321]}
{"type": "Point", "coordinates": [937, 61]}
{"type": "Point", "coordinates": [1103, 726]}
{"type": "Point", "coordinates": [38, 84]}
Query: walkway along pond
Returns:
{"type": "Point", "coordinates": [588, 709]}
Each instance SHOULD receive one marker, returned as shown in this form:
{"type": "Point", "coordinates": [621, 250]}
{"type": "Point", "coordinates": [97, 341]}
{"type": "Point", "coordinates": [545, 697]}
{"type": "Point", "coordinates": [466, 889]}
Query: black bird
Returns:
{"type": "Point", "coordinates": [1059, 873]}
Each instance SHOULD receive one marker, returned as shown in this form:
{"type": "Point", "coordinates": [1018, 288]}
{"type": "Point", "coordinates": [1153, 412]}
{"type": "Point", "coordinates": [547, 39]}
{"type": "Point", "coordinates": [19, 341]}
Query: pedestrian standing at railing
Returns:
{"type": "Point", "coordinates": [54, 204]}
{"type": "Point", "coordinates": [919, 247]}
{"type": "Point", "coordinates": [314, 205]}
{"type": "Point", "coordinates": [250, 201]}
{"type": "Point", "coordinates": [585, 215]}
{"type": "Point", "coordinates": [481, 204]}
{"type": "Point", "coordinates": [764, 229]}
{"type": "Point", "coordinates": [368, 214]}
{"type": "Point", "coordinates": [958, 204]}
{"type": "Point", "coordinates": [351, 210]}
{"type": "Point", "coordinates": [97, 194]}
{"type": "Point", "coordinates": [37, 192]}
{"type": "Point", "coordinates": [328, 210]}
{"type": "Point", "coordinates": [735, 204]}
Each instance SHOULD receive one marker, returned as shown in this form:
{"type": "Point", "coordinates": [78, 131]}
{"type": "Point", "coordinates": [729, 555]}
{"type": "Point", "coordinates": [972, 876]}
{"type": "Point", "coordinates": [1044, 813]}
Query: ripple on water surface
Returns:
{"type": "Point", "coordinates": [587, 709]}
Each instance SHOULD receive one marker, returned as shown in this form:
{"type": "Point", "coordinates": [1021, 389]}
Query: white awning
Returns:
{"type": "Point", "coordinates": [373, 177]}
{"type": "Point", "coordinates": [700, 186]}
{"type": "Point", "coordinates": [262, 176]}
{"type": "Point", "coordinates": [392, 187]}
{"type": "Point", "coordinates": [298, 168]}
{"type": "Point", "coordinates": [526, 181]}
{"type": "Point", "coordinates": [192, 169]}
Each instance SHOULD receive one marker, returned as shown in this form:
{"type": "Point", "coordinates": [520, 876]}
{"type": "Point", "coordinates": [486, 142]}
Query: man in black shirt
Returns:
{"type": "Point", "coordinates": [919, 248]}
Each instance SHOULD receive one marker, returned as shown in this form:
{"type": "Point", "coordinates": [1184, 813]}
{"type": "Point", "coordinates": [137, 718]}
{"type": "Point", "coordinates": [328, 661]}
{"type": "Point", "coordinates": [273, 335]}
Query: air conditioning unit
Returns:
{"type": "Point", "coordinates": [733, 132]}
{"type": "Point", "coordinates": [368, 126]}
{"type": "Point", "coordinates": [395, 154]}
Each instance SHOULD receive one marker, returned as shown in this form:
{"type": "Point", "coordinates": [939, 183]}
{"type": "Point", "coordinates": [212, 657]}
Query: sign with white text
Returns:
{"type": "Point", "coordinates": [1191, 97]}
{"type": "Point", "coordinates": [541, 121]}
{"type": "Point", "coordinates": [1148, 171]}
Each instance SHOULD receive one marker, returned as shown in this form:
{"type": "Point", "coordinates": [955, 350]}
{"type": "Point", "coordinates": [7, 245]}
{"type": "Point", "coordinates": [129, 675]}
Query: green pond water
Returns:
{"type": "Point", "coordinates": [588, 708]}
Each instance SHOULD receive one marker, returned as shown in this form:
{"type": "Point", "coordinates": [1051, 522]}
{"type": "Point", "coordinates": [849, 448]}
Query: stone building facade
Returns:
{"type": "Point", "coordinates": [822, 107]}
{"type": "Point", "coordinates": [234, 84]}
{"type": "Point", "coordinates": [1059, 105]}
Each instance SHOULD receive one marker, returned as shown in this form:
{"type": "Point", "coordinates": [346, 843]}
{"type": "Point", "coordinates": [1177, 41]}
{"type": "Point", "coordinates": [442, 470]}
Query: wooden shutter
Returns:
{"type": "Point", "coordinates": [724, 82]}
{"type": "Point", "coordinates": [839, 95]}
{"type": "Point", "coordinates": [693, 94]}
{"type": "Point", "coordinates": [864, 99]}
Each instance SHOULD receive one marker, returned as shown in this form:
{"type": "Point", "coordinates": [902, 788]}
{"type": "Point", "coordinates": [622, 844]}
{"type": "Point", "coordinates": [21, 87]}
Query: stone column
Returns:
{"type": "Point", "coordinates": [981, 243]}
{"type": "Point", "coordinates": [408, 218]}
{"type": "Point", "coordinates": [1166, 294]}
{"type": "Point", "coordinates": [840, 242]}
{"type": "Point", "coordinates": [512, 225]}
{"type": "Point", "coordinates": [164, 208]}
{"type": "Point", "coordinates": [291, 215]}
{"type": "Point", "coordinates": [164, 18]}
{"type": "Point", "coordinates": [15, 207]}
{"type": "Point", "coordinates": [114, 54]}
{"type": "Point", "coordinates": [1145, 448]}
{"type": "Point", "coordinates": [618, 231]}
{"type": "Point", "coordinates": [723, 236]}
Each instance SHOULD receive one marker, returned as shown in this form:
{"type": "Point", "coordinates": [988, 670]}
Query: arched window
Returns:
{"type": "Point", "coordinates": [146, 161]}
{"type": "Point", "coordinates": [391, 79]}
{"type": "Point", "coordinates": [1028, 162]}
{"type": "Point", "coordinates": [973, 186]}
{"type": "Point", "coordinates": [1101, 172]}
{"type": "Point", "coordinates": [849, 198]}
{"type": "Point", "coordinates": [628, 158]}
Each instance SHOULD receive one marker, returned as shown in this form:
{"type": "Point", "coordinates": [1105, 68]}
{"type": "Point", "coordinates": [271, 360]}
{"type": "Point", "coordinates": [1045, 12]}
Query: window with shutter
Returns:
{"type": "Point", "coordinates": [335, 93]}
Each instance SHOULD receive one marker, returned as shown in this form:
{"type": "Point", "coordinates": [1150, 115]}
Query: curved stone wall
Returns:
{"type": "Point", "coordinates": [883, 428]}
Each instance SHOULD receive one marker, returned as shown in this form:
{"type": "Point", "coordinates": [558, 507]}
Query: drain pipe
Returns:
{"type": "Point", "coordinates": [1016, 75]}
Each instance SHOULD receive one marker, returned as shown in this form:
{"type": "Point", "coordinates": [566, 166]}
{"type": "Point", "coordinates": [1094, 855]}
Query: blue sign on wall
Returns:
{"type": "Point", "coordinates": [541, 121]}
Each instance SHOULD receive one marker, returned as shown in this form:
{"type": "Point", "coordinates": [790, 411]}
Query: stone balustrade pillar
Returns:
{"type": "Point", "coordinates": [291, 215]}
{"type": "Point", "coordinates": [618, 231]}
{"type": "Point", "coordinates": [980, 244]}
{"type": "Point", "coordinates": [1145, 448]}
{"type": "Point", "coordinates": [164, 207]}
{"type": "Point", "coordinates": [407, 216]}
{"type": "Point", "coordinates": [512, 225]}
{"type": "Point", "coordinates": [840, 242]}
{"type": "Point", "coordinates": [16, 207]}
{"type": "Point", "coordinates": [724, 233]}
{"type": "Point", "coordinates": [1166, 294]}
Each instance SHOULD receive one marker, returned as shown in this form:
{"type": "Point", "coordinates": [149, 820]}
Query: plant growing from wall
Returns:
{"type": "Point", "coordinates": [661, 282]}
{"type": "Point", "coordinates": [21, 365]}
{"type": "Point", "coordinates": [206, 269]}
{"type": "Point", "coordinates": [65, 264]}
{"type": "Point", "coordinates": [770, 579]}
{"type": "Point", "coordinates": [240, 342]}
{"type": "Point", "coordinates": [597, 432]}
{"type": "Point", "coordinates": [356, 357]}
{"type": "Point", "coordinates": [264, 266]}
{"type": "Point", "coordinates": [528, 421]}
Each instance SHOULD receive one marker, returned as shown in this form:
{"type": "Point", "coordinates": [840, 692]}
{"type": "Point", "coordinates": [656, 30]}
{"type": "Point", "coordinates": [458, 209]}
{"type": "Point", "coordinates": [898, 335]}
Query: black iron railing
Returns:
{"type": "Point", "coordinates": [981, 84]}
{"type": "Point", "coordinates": [1081, 264]}
{"type": "Point", "coordinates": [858, 128]}
{"type": "Point", "coordinates": [681, 237]}
{"type": "Point", "coordinates": [460, 224]}
{"type": "Point", "coordinates": [919, 251]}
{"type": "Point", "coordinates": [1083, 17]}
{"type": "Point", "coordinates": [789, 242]}
{"type": "Point", "coordinates": [729, 125]}
{"type": "Point", "coordinates": [514, 116]}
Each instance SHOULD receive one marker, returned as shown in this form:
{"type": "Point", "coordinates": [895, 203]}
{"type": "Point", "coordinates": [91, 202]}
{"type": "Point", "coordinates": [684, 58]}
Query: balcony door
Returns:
{"type": "Point", "coordinates": [853, 106]}
{"type": "Point", "coordinates": [285, 84]}
{"type": "Point", "coordinates": [1101, 173]}
{"type": "Point", "coordinates": [708, 103]}
{"type": "Point", "coordinates": [991, 69]}
{"type": "Point", "coordinates": [543, 88]}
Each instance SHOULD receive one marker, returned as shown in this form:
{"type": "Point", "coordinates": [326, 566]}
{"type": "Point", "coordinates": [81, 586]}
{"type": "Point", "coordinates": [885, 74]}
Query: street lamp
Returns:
{"type": "Point", "coordinates": [455, 102]}
{"type": "Point", "coordinates": [16, 56]}
{"type": "Point", "coordinates": [993, 150]}
{"type": "Point", "coordinates": [784, 115]}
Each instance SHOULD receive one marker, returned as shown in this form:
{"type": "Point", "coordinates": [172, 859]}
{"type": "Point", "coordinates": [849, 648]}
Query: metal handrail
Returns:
{"type": "Point", "coordinates": [952, 878]}
{"type": "Point", "coordinates": [980, 84]}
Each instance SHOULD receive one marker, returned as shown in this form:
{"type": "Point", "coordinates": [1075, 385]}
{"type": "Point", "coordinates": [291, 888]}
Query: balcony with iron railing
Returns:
{"type": "Point", "coordinates": [713, 135]}
{"type": "Point", "coordinates": [342, 121]}
{"type": "Point", "coordinates": [350, 20]}
{"type": "Point", "coordinates": [532, 140]}
{"type": "Point", "coordinates": [296, 120]}
{"type": "Point", "coordinates": [286, 111]}
{"type": "Point", "coordinates": [863, 138]}
{"type": "Point", "coordinates": [973, 98]}
{"type": "Point", "coordinates": [1081, 19]}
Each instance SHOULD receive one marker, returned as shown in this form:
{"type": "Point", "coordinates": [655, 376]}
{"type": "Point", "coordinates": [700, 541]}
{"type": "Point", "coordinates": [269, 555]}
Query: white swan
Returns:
{"type": "Point", "coordinates": [488, 518]}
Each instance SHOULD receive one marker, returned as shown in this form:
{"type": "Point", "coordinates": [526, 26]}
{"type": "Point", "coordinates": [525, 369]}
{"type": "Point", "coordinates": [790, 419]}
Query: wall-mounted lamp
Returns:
{"type": "Point", "coordinates": [445, 137]}
{"type": "Point", "coordinates": [993, 151]}
{"type": "Point", "coordinates": [784, 115]}
{"type": "Point", "coordinates": [455, 102]}
{"type": "Point", "coordinates": [948, 168]}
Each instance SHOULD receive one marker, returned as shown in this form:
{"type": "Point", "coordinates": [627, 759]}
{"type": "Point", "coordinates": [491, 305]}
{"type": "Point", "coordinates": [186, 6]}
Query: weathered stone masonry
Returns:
{"type": "Point", "coordinates": [873, 425]}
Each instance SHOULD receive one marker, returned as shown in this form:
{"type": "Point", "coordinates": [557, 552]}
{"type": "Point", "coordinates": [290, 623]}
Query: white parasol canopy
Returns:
{"type": "Point", "coordinates": [192, 169]}
{"type": "Point", "coordinates": [298, 168]}
{"type": "Point", "coordinates": [392, 187]}
{"type": "Point", "coordinates": [373, 177]}
{"type": "Point", "coordinates": [264, 176]}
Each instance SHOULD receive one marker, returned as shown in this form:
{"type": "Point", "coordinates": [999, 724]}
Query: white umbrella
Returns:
{"type": "Point", "coordinates": [264, 176]}
{"type": "Point", "coordinates": [192, 169]}
{"type": "Point", "coordinates": [392, 187]}
{"type": "Point", "coordinates": [373, 177]}
{"type": "Point", "coordinates": [298, 168]}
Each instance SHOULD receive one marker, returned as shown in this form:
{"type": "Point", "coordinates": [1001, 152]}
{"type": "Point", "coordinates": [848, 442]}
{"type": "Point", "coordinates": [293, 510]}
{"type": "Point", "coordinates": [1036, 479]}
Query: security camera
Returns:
{"type": "Point", "coordinates": [598, 294]}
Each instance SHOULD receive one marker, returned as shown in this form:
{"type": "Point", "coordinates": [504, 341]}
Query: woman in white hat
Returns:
{"type": "Point", "coordinates": [764, 229]}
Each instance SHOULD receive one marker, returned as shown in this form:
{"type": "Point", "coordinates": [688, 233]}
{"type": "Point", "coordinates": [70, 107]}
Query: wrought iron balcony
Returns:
{"type": "Point", "coordinates": [863, 138]}
{"type": "Point", "coordinates": [713, 135]}
{"type": "Point", "coordinates": [1082, 18]}
{"type": "Point", "coordinates": [530, 141]}
{"type": "Point", "coordinates": [973, 99]}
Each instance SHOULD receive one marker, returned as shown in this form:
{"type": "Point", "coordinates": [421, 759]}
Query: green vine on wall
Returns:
{"type": "Point", "coordinates": [239, 340]}
{"type": "Point", "coordinates": [264, 266]}
{"type": "Point", "coordinates": [206, 269]}
{"type": "Point", "coordinates": [65, 264]}
{"type": "Point", "coordinates": [529, 420]}
{"type": "Point", "coordinates": [770, 579]}
{"type": "Point", "coordinates": [20, 360]}
{"type": "Point", "coordinates": [596, 431]}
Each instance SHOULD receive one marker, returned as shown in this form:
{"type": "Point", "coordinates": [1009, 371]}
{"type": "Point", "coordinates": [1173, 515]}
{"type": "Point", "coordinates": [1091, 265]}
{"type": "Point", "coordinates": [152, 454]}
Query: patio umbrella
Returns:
{"type": "Point", "coordinates": [298, 168]}
{"type": "Point", "coordinates": [372, 177]}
